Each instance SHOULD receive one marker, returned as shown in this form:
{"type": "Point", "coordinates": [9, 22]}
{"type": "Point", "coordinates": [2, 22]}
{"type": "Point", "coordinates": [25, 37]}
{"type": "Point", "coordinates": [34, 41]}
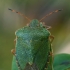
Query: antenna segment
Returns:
{"type": "Point", "coordinates": [19, 14]}
{"type": "Point", "coordinates": [50, 14]}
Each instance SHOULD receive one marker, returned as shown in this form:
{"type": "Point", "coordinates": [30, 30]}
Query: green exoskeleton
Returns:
{"type": "Point", "coordinates": [33, 49]}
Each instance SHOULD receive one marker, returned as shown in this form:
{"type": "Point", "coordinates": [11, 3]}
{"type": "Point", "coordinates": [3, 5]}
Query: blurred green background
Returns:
{"type": "Point", "coordinates": [10, 22]}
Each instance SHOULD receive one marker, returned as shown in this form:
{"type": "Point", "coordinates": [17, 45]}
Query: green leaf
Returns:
{"type": "Point", "coordinates": [61, 62]}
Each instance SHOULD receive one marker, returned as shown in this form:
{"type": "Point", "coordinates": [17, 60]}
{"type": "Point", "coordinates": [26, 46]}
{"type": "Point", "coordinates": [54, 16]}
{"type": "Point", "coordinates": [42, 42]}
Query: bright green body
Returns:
{"type": "Point", "coordinates": [33, 47]}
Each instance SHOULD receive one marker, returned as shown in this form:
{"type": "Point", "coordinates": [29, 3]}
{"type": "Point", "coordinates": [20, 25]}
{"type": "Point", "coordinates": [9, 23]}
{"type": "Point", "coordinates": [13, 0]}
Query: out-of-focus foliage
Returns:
{"type": "Point", "coordinates": [10, 22]}
{"type": "Point", "coordinates": [61, 62]}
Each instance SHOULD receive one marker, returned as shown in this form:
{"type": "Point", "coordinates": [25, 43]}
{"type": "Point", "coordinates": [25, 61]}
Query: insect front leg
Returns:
{"type": "Point", "coordinates": [48, 27]}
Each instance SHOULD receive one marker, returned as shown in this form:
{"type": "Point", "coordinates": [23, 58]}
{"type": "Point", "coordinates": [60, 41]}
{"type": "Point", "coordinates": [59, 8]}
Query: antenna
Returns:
{"type": "Point", "coordinates": [19, 14]}
{"type": "Point", "coordinates": [50, 14]}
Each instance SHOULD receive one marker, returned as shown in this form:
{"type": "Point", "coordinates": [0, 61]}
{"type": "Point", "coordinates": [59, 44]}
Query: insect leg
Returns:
{"type": "Point", "coordinates": [51, 38]}
{"type": "Point", "coordinates": [13, 51]}
{"type": "Point", "coordinates": [48, 27]}
{"type": "Point", "coordinates": [14, 41]}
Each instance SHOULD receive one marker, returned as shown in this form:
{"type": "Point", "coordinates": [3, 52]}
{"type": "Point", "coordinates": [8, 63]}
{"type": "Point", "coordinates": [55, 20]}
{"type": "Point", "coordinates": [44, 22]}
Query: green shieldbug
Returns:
{"type": "Point", "coordinates": [33, 49]}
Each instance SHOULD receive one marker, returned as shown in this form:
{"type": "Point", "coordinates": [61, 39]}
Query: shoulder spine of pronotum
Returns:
{"type": "Point", "coordinates": [33, 49]}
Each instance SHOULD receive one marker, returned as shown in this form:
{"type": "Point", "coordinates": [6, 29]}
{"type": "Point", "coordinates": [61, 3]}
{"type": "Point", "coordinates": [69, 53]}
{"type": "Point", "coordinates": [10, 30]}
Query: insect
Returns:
{"type": "Point", "coordinates": [33, 49]}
